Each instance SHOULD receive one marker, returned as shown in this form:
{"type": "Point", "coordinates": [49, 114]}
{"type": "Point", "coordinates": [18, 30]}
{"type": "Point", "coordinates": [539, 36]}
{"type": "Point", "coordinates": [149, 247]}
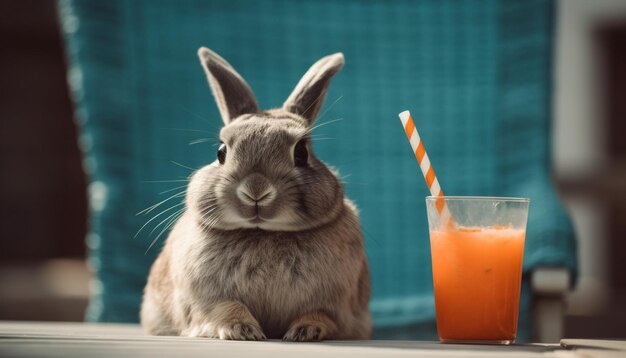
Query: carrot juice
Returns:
{"type": "Point", "coordinates": [477, 277]}
{"type": "Point", "coordinates": [477, 255]}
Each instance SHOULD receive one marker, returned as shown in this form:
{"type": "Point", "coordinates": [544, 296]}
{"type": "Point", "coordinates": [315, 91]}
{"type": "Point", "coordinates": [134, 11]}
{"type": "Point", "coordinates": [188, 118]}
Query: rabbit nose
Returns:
{"type": "Point", "coordinates": [256, 190]}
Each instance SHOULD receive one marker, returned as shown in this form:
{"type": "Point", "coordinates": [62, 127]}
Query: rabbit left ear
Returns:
{"type": "Point", "coordinates": [232, 94]}
{"type": "Point", "coordinates": [307, 98]}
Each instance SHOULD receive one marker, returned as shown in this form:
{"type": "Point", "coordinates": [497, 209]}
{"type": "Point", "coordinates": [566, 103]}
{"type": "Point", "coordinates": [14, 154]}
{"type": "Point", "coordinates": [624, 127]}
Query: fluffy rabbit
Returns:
{"type": "Point", "coordinates": [269, 246]}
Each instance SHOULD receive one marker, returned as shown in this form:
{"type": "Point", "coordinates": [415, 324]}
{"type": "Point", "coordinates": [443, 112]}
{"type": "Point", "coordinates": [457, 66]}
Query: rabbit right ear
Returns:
{"type": "Point", "coordinates": [308, 96]}
{"type": "Point", "coordinates": [232, 94]}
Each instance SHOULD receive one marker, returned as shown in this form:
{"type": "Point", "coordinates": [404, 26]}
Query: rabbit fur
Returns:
{"type": "Point", "coordinates": [265, 248]}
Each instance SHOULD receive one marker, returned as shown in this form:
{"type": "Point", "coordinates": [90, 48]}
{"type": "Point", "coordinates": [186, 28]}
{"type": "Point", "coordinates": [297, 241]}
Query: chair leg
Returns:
{"type": "Point", "coordinates": [549, 286]}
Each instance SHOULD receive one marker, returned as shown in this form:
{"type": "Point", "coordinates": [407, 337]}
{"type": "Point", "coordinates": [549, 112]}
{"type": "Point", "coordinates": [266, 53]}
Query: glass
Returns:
{"type": "Point", "coordinates": [477, 267]}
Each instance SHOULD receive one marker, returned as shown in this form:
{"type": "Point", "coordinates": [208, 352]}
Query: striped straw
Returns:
{"type": "Point", "coordinates": [425, 165]}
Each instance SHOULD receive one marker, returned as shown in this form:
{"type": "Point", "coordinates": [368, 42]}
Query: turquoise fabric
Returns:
{"type": "Point", "coordinates": [475, 75]}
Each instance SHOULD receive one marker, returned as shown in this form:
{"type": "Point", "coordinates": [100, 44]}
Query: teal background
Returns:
{"type": "Point", "coordinates": [476, 76]}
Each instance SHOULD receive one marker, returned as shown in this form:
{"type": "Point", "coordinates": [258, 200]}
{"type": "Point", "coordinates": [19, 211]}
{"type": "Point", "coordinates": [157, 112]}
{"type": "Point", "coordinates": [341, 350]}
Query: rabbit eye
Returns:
{"type": "Point", "coordinates": [221, 153]}
{"type": "Point", "coordinates": [301, 154]}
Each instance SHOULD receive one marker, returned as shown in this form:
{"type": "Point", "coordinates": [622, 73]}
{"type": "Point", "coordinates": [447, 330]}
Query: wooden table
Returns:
{"type": "Point", "coordinates": [34, 339]}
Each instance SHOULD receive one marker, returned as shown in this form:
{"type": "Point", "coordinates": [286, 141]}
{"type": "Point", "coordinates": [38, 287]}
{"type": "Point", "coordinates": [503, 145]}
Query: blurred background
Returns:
{"type": "Point", "coordinates": [43, 205]}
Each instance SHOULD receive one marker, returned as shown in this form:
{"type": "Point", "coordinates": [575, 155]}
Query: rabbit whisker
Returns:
{"type": "Point", "coordinates": [323, 124]}
{"type": "Point", "coordinates": [166, 219]}
{"type": "Point", "coordinates": [197, 116]}
{"type": "Point", "coordinates": [183, 166]}
{"type": "Point", "coordinates": [208, 220]}
{"type": "Point", "coordinates": [164, 181]}
{"type": "Point", "coordinates": [321, 96]}
{"type": "Point", "coordinates": [170, 190]}
{"type": "Point", "coordinates": [150, 208]}
{"type": "Point", "coordinates": [316, 138]}
{"type": "Point", "coordinates": [201, 140]}
{"type": "Point", "coordinates": [207, 212]}
{"type": "Point", "coordinates": [214, 222]}
{"type": "Point", "coordinates": [167, 226]}
{"type": "Point", "coordinates": [156, 216]}
{"type": "Point", "coordinates": [187, 130]}
{"type": "Point", "coordinates": [328, 108]}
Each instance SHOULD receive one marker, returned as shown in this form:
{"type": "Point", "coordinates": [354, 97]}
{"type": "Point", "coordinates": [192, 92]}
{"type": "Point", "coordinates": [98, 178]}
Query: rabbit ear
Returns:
{"type": "Point", "coordinates": [308, 96]}
{"type": "Point", "coordinates": [232, 94]}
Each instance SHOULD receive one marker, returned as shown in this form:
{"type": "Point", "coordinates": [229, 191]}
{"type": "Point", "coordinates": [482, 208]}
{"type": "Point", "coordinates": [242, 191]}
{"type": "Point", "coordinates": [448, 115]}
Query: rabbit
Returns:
{"type": "Point", "coordinates": [268, 245]}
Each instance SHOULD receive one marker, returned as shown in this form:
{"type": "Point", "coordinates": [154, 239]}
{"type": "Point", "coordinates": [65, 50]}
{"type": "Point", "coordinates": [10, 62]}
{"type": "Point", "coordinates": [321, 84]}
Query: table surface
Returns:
{"type": "Point", "coordinates": [38, 339]}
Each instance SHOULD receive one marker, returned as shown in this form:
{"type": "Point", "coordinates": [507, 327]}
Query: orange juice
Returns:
{"type": "Point", "coordinates": [477, 276]}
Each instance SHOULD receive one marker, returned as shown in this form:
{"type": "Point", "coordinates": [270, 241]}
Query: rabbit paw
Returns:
{"type": "Point", "coordinates": [305, 333]}
{"type": "Point", "coordinates": [241, 331]}
{"type": "Point", "coordinates": [236, 330]}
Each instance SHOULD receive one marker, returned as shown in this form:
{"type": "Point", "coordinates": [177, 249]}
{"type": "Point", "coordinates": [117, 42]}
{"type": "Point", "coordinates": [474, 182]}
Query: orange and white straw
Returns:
{"type": "Point", "coordinates": [424, 163]}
